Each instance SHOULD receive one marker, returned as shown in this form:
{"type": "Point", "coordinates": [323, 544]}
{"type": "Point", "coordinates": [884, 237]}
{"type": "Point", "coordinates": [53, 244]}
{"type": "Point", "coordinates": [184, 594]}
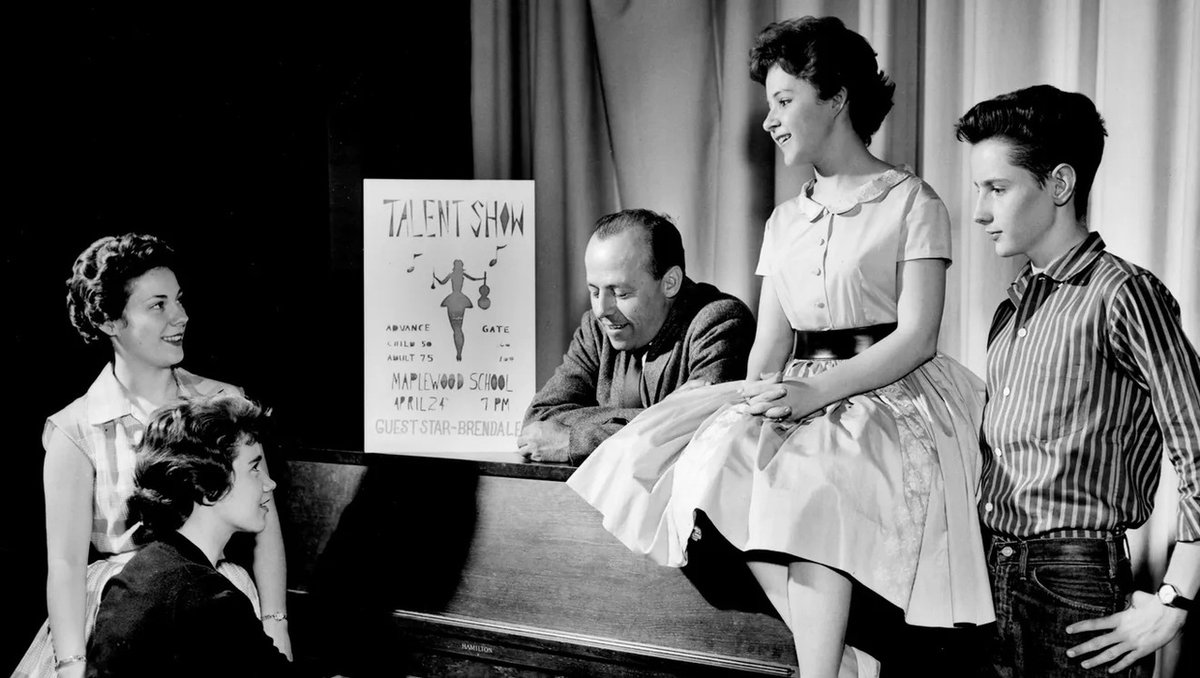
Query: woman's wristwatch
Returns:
{"type": "Point", "coordinates": [1169, 596]}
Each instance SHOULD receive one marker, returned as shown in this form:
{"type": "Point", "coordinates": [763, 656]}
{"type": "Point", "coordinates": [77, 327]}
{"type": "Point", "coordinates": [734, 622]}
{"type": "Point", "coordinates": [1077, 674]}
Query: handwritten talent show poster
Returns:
{"type": "Point", "coordinates": [448, 275]}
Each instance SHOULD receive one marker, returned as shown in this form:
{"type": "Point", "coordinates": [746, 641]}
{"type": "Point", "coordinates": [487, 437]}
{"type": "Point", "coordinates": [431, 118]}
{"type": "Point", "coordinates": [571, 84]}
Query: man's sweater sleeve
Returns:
{"type": "Point", "coordinates": [719, 342]}
{"type": "Point", "coordinates": [570, 397]}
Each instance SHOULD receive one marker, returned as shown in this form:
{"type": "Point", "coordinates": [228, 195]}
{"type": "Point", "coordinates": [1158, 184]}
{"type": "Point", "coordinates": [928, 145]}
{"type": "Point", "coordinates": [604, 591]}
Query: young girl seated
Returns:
{"type": "Point", "coordinates": [123, 294]}
{"type": "Point", "coordinates": [852, 463]}
{"type": "Point", "coordinates": [201, 477]}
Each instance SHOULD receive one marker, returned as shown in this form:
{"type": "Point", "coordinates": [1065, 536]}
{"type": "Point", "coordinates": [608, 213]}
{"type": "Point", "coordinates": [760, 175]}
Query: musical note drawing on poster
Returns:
{"type": "Point", "coordinates": [448, 367]}
{"type": "Point", "coordinates": [412, 268]}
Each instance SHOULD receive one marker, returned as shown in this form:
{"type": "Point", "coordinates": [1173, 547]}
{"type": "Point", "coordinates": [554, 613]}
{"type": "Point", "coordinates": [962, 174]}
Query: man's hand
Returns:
{"type": "Point", "coordinates": [1135, 632]}
{"type": "Point", "coordinates": [544, 441]}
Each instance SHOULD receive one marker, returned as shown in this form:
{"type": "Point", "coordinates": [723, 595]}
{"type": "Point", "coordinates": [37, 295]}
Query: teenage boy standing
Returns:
{"type": "Point", "coordinates": [1090, 377]}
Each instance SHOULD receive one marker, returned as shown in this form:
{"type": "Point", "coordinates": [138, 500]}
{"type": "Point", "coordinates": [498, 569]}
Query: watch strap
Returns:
{"type": "Point", "coordinates": [1174, 599]}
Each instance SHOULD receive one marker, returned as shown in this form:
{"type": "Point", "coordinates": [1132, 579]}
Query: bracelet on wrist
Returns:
{"type": "Point", "coordinates": [275, 616]}
{"type": "Point", "coordinates": [67, 661]}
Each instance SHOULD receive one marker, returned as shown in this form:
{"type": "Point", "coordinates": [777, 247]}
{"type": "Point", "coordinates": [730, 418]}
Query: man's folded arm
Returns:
{"type": "Point", "coordinates": [572, 387]}
{"type": "Point", "coordinates": [589, 432]}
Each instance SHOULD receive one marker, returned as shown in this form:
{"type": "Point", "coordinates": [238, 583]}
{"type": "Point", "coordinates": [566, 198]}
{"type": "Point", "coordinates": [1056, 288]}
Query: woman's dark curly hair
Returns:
{"type": "Point", "coordinates": [186, 456]}
{"type": "Point", "coordinates": [99, 284]}
{"type": "Point", "coordinates": [829, 56]}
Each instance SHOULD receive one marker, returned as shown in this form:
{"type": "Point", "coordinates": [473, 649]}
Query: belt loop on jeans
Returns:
{"type": "Point", "coordinates": [1118, 550]}
{"type": "Point", "coordinates": [837, 344]}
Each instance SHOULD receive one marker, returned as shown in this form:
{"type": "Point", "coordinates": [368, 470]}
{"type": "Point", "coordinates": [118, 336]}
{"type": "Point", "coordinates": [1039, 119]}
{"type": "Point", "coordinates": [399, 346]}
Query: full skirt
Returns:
{"type": "Point", "coordinates": [881, 485]}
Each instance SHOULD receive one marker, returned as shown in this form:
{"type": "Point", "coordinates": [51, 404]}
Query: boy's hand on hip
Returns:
{"type": "Point", "coordinates": [1133, 633]}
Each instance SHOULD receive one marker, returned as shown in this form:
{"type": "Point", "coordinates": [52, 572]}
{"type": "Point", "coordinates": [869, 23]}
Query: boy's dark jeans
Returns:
{"type": "Point", "coordinates": [1041, 586]}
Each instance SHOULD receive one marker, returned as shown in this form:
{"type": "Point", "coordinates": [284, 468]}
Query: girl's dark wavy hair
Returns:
{"type": "Point", "coordinates": [98, 288]}
{"type": "Point", "coordinates": [828, 56]}
{"type": "Point", "coordinates": [186, 457]}
{"type": "Point", "coordinates": [1044, 127]}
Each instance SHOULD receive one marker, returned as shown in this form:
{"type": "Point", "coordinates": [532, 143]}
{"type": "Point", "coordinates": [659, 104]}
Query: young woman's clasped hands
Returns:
{"type": "Point", "coordinates": [783, 400]}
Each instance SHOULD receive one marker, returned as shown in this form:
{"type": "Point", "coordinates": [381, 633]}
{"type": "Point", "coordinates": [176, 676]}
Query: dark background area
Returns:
{"type": "Point", "coordinates": [241, 137]}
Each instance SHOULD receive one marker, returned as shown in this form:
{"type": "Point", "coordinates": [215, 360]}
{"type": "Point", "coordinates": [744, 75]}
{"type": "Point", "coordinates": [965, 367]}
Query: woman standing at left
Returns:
{"type": "Point", "coordinates": [122, 290]}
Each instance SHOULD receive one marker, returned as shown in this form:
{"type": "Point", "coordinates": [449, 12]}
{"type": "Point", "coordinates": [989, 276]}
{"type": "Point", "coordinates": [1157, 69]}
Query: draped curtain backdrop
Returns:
{"type": "Point", "coordinates": [609, 104]}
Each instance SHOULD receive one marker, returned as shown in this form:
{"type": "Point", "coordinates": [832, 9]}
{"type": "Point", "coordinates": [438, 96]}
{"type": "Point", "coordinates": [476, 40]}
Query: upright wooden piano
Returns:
{"type": "Point", "coordinates": [413, 566]}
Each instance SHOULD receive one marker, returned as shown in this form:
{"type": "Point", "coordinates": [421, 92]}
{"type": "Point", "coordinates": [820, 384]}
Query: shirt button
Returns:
{"type": "Point", "coordinates": [821, 241]}
{"type": "Point", "coordinates": [820, 304]}
{"type": "Point", "coordinates": [1022, 332]}
{"type": "Point", "coordinates": [988, 507]}
{"type": "Point", "coordinates": [816, 271]}
{"type": "Point", "coordinates": [999, 452]}
{"type": "Point", "coordinates": [1007, 391]}
{"type": "Point", "coordinates": [1007, 551]}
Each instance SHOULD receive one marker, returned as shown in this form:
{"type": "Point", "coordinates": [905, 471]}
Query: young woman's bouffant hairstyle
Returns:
{"type": "Point", "coordinates": [829, 56]}
{"type": "Point", "coordinates": [99, 284]}
{"type": "Point", "coordinates": [186, 457]}
{"type": "Point", "coordinates": [1045, 127]}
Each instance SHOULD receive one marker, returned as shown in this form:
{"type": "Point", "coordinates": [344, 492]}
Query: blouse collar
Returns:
{"type": "Point", "coordinates": [872, 190]}
{"type": "Point", "coordinates": [108, 400]}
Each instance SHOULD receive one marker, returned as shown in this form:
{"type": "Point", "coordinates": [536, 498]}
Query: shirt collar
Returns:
{"type": "Point", "coordinates": [1063, 268]}
{"type": "Point", "coordinates": [185, 547]}
{"type": "Point", "coordinates": [872, 190]}
{"type": "Point", "coordinates": [108, 400]}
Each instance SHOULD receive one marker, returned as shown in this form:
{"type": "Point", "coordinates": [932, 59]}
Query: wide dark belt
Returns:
{"type": "Point", "coordinates": [837, 344]}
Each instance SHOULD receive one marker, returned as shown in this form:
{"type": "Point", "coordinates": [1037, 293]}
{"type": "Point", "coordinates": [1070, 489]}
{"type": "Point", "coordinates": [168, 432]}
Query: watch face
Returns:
{"type": "Point", "coordinates": [1167, 594]}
